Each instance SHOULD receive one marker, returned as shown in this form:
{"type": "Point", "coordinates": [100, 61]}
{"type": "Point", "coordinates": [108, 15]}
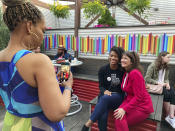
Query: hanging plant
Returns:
{"type": "Point", "coordinates": [60, 11]}
{"type": "Point", "coordinates": [106, 19]}
{"type": "Point", "coordinates": [138, 6]}
{"type": "Point", "coordinates": [93, 8]}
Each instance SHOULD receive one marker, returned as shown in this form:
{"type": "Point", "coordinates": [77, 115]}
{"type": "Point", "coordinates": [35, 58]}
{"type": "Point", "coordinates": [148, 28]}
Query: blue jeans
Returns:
{"type": "Point", "coordinates": [105, 103]}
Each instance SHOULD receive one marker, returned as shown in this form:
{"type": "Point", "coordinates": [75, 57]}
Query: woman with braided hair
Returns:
{"type": "Point", "coordinates": [137, 104]}
{"type": "Point", "coordinates": [28, 84]}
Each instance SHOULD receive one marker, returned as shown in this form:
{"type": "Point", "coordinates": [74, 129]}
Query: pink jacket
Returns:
{"type": "Point", "coordinates": [137, 97]}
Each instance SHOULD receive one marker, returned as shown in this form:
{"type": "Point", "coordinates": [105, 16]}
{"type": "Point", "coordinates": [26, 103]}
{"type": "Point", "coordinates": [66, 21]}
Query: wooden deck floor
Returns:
{"type": "Point", "coordinates": [75, 122]}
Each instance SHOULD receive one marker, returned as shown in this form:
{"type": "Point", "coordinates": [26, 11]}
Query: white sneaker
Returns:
{"type": "Point", "coordinates": [170, 121]}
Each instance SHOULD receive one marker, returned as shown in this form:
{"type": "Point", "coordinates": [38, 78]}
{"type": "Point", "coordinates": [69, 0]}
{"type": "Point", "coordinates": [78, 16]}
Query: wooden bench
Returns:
{"type": "Point", "coordinates": [86, 88]}
{"type": "Point", "coordinates": [150, 124]}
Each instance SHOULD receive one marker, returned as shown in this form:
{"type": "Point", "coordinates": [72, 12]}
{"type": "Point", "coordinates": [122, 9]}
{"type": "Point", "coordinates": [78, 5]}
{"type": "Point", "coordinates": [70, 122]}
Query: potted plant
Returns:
{"type": "Point", "coordinates": [60, 11]}
{"type": "Point", "coordinates": [106, 20]}
{"type": "Point", "coordinates": [93, 8]}
{"type": "Point", "coordinates": [138, 6]}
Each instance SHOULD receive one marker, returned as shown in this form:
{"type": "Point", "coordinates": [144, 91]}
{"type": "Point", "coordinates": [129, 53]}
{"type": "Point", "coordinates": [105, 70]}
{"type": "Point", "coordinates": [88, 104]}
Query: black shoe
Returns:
{"type": "Point", "coordinates": [85, 128]}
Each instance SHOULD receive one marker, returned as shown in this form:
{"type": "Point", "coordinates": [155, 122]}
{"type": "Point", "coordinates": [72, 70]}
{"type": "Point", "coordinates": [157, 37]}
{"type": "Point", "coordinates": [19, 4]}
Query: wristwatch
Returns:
{"type": "Point", "coordinates": [68, 88]}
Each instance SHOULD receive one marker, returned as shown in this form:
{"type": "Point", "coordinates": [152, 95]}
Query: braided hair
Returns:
{"type": "Point", "coordinates": [18, 11]}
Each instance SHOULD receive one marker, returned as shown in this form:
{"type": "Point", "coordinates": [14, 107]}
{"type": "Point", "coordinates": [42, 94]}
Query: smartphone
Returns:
{"type": "Point", "coordinates": [64, 72]}
{"type": "Point", "coordinates": [65, 67]}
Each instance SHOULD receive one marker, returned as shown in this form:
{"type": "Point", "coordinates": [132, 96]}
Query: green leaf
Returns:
{"type": "Point", "coordinates": [60, 11]}
{"type": "Point", "coordinates": [93, 8]}
{"type": "Point", "coordinates": [107, 19]}
{"type": "Point", "coordinates": [138, 6]}
{"type": "Point", "coordinates": [4, 33]}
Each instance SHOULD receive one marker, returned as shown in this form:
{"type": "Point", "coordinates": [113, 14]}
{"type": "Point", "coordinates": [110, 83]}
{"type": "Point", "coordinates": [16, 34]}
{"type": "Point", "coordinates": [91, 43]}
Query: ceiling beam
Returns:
{"type": "Point", "coordinates": [134, 15]}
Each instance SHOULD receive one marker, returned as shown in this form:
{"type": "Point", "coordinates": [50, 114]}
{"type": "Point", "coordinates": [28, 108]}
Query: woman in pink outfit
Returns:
{"type": "Point", "coordinates": [137, 104]}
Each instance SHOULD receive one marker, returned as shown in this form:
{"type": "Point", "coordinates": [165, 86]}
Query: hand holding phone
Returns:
{"type": "Point", "coordinates": [64, 72]}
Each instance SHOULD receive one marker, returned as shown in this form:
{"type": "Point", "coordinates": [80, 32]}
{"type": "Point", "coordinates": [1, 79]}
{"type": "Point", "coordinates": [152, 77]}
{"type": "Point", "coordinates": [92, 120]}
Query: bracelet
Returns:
{"type": "Point", "coordinates": [68, 88]}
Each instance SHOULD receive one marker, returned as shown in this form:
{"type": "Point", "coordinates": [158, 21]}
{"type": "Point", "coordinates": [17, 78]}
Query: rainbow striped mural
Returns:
{"type": "Point", "coordinates": [144, 44]}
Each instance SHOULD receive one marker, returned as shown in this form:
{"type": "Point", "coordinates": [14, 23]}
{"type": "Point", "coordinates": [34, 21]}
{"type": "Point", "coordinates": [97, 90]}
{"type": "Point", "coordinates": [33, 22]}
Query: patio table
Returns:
{"type": "Point", "coordinates": [73, 63]}
{"type": "Point", "coordinates": [76, 106]}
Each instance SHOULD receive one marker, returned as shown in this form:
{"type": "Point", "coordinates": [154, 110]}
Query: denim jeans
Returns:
{"type": "Point", "coordinates": [105, 103]}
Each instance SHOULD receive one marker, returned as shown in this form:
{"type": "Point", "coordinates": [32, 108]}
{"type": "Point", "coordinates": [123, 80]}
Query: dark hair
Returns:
{"type": "Point", "coordinates": [158, 61]}
{"type": "Point", "coordinates": [119, 51]}
{"type": "Point", "coordinates": [19, 12]}
{"type": "Point", "coordinates": [135, 61]}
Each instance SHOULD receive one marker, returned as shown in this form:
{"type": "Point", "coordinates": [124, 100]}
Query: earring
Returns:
{"type": "Point", "coordinates": [34, 34]}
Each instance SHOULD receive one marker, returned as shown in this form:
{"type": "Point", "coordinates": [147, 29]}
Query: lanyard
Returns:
{"type": "Point", "coordinates": [125, 80]}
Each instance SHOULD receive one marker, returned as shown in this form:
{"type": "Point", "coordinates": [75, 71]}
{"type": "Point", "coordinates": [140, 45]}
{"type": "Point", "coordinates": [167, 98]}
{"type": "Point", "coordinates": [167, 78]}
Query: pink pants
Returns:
{"type": "Point", "coordinates": [129, 119]}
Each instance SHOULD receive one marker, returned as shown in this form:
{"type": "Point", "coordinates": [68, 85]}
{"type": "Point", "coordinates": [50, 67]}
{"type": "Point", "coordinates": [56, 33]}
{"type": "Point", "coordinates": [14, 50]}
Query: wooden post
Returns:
{"type": "Point", "coordinates": [113, 11]}
{"type": "Point", "coordinates": [77, 21]}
